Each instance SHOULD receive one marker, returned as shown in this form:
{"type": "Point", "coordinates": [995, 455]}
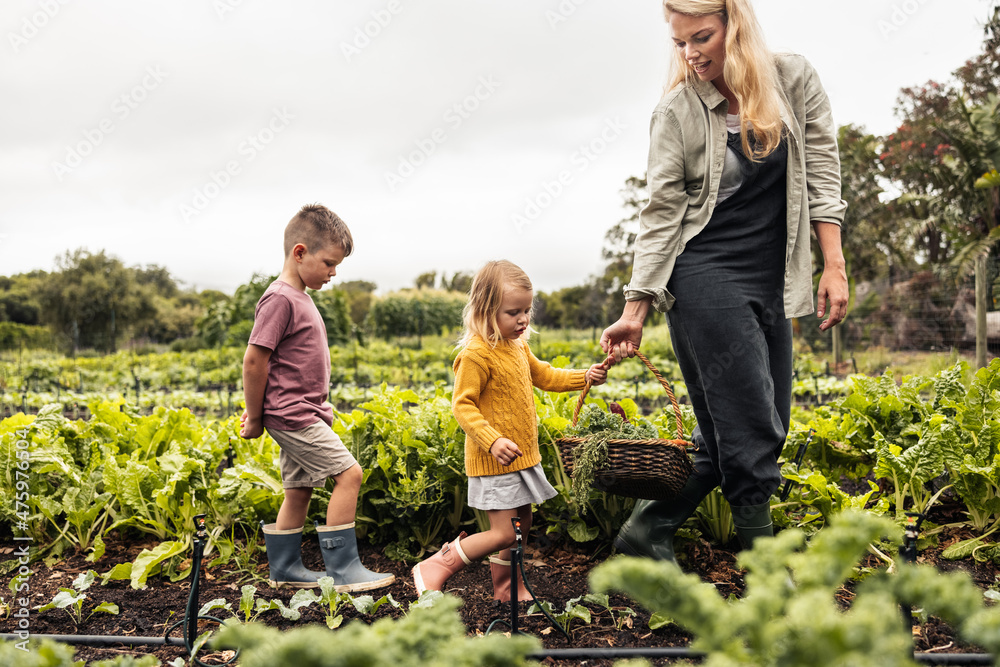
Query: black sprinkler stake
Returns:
{"type": "Point", "coordinates": [799, 455]}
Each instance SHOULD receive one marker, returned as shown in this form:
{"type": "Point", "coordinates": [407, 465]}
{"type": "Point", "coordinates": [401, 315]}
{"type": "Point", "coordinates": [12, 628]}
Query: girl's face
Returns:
{"type": "Point", "coordinates": [701, 41]}
{"type": "Point", "coordinates": [515, 313]}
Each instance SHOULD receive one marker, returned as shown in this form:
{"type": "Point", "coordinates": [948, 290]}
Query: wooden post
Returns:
{"type": "Point", "coordinates": [981, 312]}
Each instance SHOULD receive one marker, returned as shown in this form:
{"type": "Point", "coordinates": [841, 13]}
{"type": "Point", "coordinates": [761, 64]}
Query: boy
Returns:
{"type": "Point", "coordinates": [286, 375]}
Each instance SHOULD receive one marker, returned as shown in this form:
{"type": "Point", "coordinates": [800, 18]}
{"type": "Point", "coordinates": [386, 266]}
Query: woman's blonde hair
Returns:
{"type": "Point", "coordinates": [485, 296]}
{"type": "Point", "coordinates": [749, 70]}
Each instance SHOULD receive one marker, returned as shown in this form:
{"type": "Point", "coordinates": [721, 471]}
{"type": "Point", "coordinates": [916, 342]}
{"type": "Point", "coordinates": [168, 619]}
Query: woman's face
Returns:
{"type": "Point", "coordinates": [701, 41]}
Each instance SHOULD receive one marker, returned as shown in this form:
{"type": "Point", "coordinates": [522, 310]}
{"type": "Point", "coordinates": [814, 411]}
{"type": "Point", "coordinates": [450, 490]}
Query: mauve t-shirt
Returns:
{"type": "Point", "coordinates": [298, 374]}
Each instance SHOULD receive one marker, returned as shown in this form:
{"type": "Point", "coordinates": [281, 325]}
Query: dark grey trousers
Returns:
{"type": "Point", "coordinates": [736, 359]}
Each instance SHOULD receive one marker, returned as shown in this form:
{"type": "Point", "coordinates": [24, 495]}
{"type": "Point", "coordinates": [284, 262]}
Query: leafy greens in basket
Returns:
{"type": "Point", "coordinates": [598, 427]}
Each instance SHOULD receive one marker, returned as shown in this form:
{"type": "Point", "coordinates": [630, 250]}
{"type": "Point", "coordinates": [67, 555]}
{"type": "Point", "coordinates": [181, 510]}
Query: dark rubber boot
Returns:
{"type": "Point", "coordinates": [339, 545]}
{"type": "Point", "coordinates": [649, 530]}
{"type": "Point", "coordinates": [752, 521]}
{"type": "Point", "coordinates": [284, 559]}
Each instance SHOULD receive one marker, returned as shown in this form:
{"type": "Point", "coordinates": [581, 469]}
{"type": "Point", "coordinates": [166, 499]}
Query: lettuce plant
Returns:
{"type": "Point", "coordinates": [71, 599]}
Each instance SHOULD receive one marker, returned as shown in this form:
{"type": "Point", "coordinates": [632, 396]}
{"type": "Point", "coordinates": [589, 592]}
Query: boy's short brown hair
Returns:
{"type": "Point", "coordinates": [315, 226]}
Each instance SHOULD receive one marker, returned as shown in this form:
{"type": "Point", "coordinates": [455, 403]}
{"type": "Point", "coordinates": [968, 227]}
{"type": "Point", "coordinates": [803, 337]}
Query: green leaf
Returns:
{"type": "Point", "coordinates": [84, 580]}
{"type": "Point", "coordinates": [427, 599]}
{"type": "Point", "coordinates": [106, 607]}
{"type": "Point", "coordinates": [658, 620]}
{"type": "Point", "coordinates": [333, 622]}
{"type": "Point", "coordinates": [217, 603]}
{"type": "Point", "coordinates": [148, 560]}
{"type": "Point", "coordinates": [990, 179]}
{"type": "Point", "coordinates": [600, 599]}
{"type": "Point", "coordinates": [578, 611]}
{"type": "Point", "coordinates": [64, 598]}
{"type": "Point", "coordinates": [97, 551]}
{"type": "Point", "coordinates": [118, 572]}
{"type": "Point", "coordinates": [962, 549]}
{"type": "Point", "coordinates": [580, 532]}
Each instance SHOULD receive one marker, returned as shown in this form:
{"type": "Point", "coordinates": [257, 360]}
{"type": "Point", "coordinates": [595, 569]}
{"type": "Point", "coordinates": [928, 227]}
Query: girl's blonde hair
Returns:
{"type": "Point", "coordinates": [749, 70]}
{"type": "Point", "coordinates": [485, 297]}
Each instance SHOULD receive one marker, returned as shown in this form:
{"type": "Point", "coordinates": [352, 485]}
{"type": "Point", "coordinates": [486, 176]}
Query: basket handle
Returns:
{"type": "Point", "coordinates": [659, 378]}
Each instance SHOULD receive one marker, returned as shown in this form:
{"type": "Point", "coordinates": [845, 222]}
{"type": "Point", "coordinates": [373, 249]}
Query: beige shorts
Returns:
{"type": "Point", "coordinates": [311, 455]}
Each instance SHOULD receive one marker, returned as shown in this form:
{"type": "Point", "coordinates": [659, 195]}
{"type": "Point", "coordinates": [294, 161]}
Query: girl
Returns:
{"type": "Point", "coordinates": [742, 162]}
{"type": "Point", "coordinates": [494, 404]}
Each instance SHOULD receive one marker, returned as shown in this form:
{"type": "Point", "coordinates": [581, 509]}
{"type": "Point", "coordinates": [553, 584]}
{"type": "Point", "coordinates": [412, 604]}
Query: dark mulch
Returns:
{"type": "Point", "coordinates": [556, 573]}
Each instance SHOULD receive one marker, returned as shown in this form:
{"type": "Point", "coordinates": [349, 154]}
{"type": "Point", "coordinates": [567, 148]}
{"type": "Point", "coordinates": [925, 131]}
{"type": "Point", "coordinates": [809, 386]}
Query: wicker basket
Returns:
{"type": "Point", "coordinates": [652, 469]}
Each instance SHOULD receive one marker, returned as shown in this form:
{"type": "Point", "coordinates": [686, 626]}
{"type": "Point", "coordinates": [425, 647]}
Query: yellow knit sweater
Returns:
{"type": "Point", "coordinates": [493, 399]}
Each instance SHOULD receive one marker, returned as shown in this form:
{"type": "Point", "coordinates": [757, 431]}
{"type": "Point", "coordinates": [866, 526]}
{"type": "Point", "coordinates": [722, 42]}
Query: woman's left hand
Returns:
{"type": "Point", "coordinates": [833, 289]}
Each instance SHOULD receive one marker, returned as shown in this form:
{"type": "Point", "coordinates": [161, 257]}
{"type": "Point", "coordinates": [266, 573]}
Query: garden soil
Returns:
{"type": "Point", "coordinates": [557, 573]}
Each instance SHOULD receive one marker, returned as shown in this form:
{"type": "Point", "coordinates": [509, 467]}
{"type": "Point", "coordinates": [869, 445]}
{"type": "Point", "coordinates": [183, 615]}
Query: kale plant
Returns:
{"type": "Point", "coordinates": [789, 615]}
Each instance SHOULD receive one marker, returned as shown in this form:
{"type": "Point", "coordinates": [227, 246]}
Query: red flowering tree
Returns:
{"type": "Point", "coordinates": [948, 139]}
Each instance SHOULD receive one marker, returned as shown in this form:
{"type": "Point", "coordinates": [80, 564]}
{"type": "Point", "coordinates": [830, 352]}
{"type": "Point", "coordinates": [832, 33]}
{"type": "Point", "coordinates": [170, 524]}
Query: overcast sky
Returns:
{"type": "Point", "coordinates": [445, 132]}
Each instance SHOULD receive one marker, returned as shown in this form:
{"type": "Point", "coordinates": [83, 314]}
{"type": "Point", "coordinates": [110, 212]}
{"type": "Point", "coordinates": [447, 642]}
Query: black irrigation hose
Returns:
{"type": "Point", "coordinates": [191, 617]}
{"type": "Point", "coordinates": [91, 640]}
{"type": "Point", "coordinates": [517, 561]}
{"type": "Point", "coordinates": [686, 653]}
{"type": "Point", "coordinates": [555, 654]}
{"type": "Point", "coordinates": [520, 563]}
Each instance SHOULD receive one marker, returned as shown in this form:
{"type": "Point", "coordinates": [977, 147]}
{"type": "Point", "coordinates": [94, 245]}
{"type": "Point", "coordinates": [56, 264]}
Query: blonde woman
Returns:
{"type": "Point", "coordinates": [494, 404]}
{"type": "Point", "coordinates": [742, 162]}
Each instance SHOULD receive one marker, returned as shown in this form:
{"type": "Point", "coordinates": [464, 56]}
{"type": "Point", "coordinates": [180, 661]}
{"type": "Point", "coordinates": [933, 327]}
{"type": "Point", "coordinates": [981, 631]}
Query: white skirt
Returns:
{"type": "Point", "coordinates": [511, 490]}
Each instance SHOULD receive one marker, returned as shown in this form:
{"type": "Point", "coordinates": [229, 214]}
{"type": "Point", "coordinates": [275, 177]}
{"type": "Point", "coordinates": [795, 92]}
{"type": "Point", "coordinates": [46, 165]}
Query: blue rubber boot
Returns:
{"type": "Point", "coordinates": [284, 559]}
{"type": "Point", "coordinates": [339, 545]}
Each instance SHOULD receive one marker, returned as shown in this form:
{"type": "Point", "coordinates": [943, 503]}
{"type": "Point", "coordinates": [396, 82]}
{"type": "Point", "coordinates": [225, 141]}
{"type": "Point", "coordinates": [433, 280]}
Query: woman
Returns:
{"type": "Point", "coordinates": [743, 158]}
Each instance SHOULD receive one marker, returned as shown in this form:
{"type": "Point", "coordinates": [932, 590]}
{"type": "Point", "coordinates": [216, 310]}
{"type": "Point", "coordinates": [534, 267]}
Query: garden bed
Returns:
{"type": "Point", "coordinates": [557, 573]}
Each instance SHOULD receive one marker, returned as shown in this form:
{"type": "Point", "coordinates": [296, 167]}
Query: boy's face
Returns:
{"type": "Point", "coordinates": [316, 268]}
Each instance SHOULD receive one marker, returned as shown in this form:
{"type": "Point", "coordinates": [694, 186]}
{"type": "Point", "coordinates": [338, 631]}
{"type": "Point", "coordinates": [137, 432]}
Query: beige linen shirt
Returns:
{"type": "Point", "coordinates": [687, 150]}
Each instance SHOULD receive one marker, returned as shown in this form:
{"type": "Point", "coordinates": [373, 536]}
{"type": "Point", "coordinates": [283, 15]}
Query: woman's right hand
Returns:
{"type": "Point", "coordinates": [621, 339]}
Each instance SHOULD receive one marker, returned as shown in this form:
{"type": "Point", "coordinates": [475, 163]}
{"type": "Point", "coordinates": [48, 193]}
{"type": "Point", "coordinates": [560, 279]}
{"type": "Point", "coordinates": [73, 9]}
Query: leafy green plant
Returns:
{"type": "Point", "coordinates": [428, 635]}
{"type": "Point", "coordinates": [788, 615]}
{"type": "Point", "coordinates": [412, 454]}
{"type": "Point", "coordinates": [621, 617]}
{"type": "Point", "coordinates": [34, 653]}
{"type": "Point", "coordinates": [251, 606]}
{"type": "Point", "coordinates": [571, 612]}
{"type": "Point", "coordinates": [71, 599]}
{"type": "Point", "coordinates": [331, 598]}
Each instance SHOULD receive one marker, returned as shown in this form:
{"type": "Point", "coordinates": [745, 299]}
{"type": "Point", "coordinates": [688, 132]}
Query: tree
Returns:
{"type": "Point", "coordinates": [93, 300]}
{"type": "Point", "coordinates": [461, 281]}
{"type": "Point", "coordinates": [941, 148]}
{"type": "Point", "coordinates": [359, 298]}
{"type": "Point", "coordinates": [426, 280]}
{"type": "Point", "coordinates": [872, 240]}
